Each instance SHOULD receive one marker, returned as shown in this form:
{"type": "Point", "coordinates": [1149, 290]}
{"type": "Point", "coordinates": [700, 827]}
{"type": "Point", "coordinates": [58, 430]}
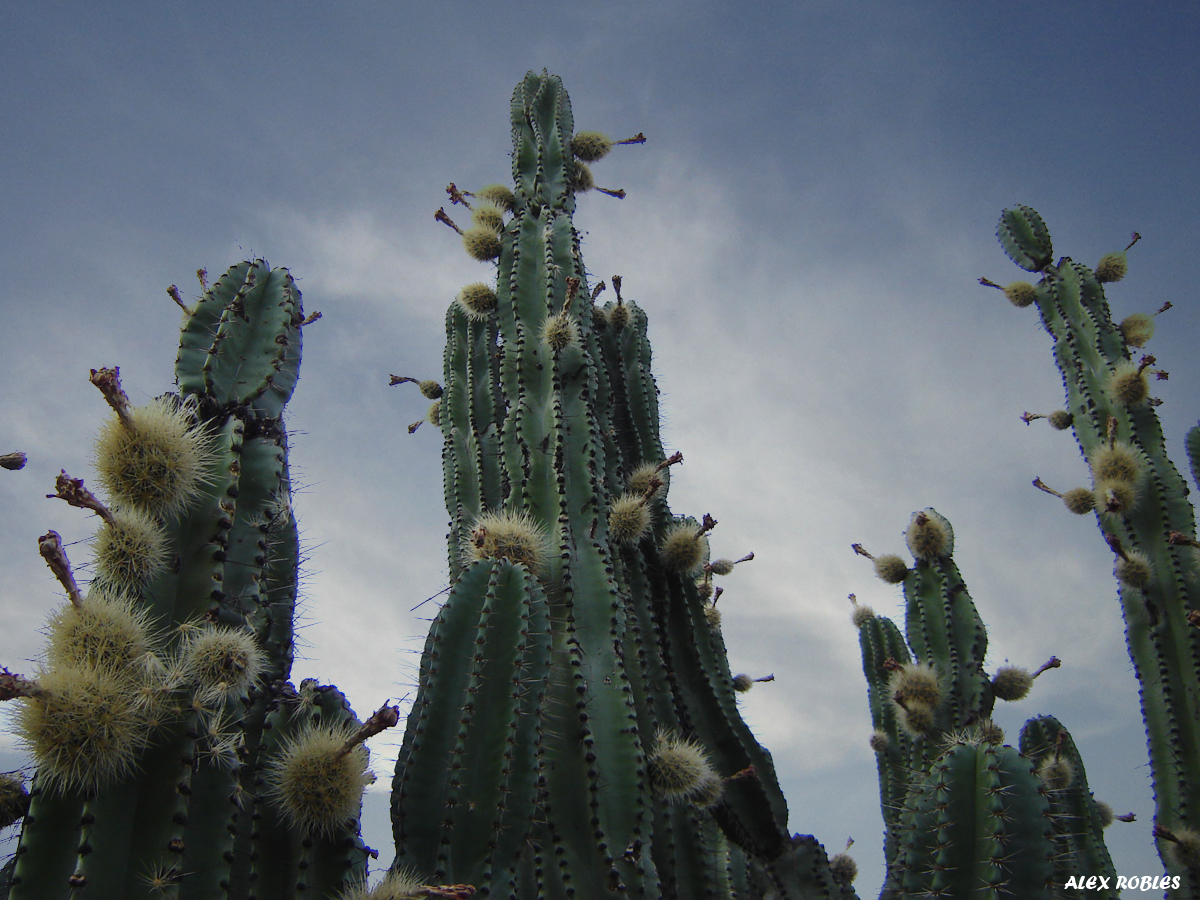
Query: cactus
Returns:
{"type": "Point", "coordinates": [574, 657]}
{"type": "Point", "coordinates": [964, 815]}
{"type": "Point", "coordinates": [163, 698]}
{"type": "Point", "coordinates": [1140, 503]}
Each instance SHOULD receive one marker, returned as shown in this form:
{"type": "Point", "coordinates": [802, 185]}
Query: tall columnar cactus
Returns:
{"type": "Point", "coordinates": [161, 720]}
{"type": "Point", "coordinates": [575, 732]}
{"type": "Point", "coordinates": [964, 814]}
{"type": "Point", "coordinates": [1140, 503]}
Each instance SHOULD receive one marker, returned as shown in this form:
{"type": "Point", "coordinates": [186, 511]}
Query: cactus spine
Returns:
{"type": "Point", "coordinates": [1144, 515]}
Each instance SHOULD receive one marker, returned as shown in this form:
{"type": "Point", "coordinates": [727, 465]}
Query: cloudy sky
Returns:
{"type": "Point", "coordinates": [805, 228]}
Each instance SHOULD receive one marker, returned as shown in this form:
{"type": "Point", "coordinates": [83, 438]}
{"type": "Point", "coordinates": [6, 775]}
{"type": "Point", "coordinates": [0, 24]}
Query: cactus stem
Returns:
{"type": "Point", "coordinates": [441, 216]}
{"type": "Point", "coordinates": [73, 491]}
{"type": "Point", "coordinates": [109, 383]}
{"type": "Point", "coordinates": [51, 547]}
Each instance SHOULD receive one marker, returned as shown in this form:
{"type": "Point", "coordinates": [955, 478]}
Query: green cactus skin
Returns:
{"type": "Point", "coordinates": [1164, 647]}
{"type": "Point", "coordinates": [1025, 238]}
{"type": "Point", "coordinates": [949, 797]}
{"type": "Point", "coordinates": [568, 673]}
{"type": "Point", "coordinates": [189, 824]}
{"type": "Point", "coordinates": [1078, 832]}
{"type": "Point", "coordinates": [976, 826]}
{"type": "Point", "coordinates": [241, 345]}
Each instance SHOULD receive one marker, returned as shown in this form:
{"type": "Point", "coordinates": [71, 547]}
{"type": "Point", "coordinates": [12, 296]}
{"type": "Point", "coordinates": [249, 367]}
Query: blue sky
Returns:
{"type": "Point", "coordinates": [804, 227]}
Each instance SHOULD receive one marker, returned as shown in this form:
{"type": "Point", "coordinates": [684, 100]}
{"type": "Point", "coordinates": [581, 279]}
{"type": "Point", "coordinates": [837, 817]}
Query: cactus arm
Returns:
{"type": "Point", "coordinates": [753, 807]}
{"type": "Point", "coordinates": [979, 828]}
{"type": "Point", "coordinates": [1025, 238]}
{"type": "Point", "coordinates": [473, 478]}
{"type": "Point", "coordinates": [1192, 442]}
{"type": "Point", "coordinates": [944, 628]}
{"type": "Point", "coordinates": [242, 346]}
{"type": "Point", "coordinates": [1078, 832]}
{"type": "Point", "coordinates": [880, 640]}
{"type": "Point", "coordinates": [1163, 646]}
